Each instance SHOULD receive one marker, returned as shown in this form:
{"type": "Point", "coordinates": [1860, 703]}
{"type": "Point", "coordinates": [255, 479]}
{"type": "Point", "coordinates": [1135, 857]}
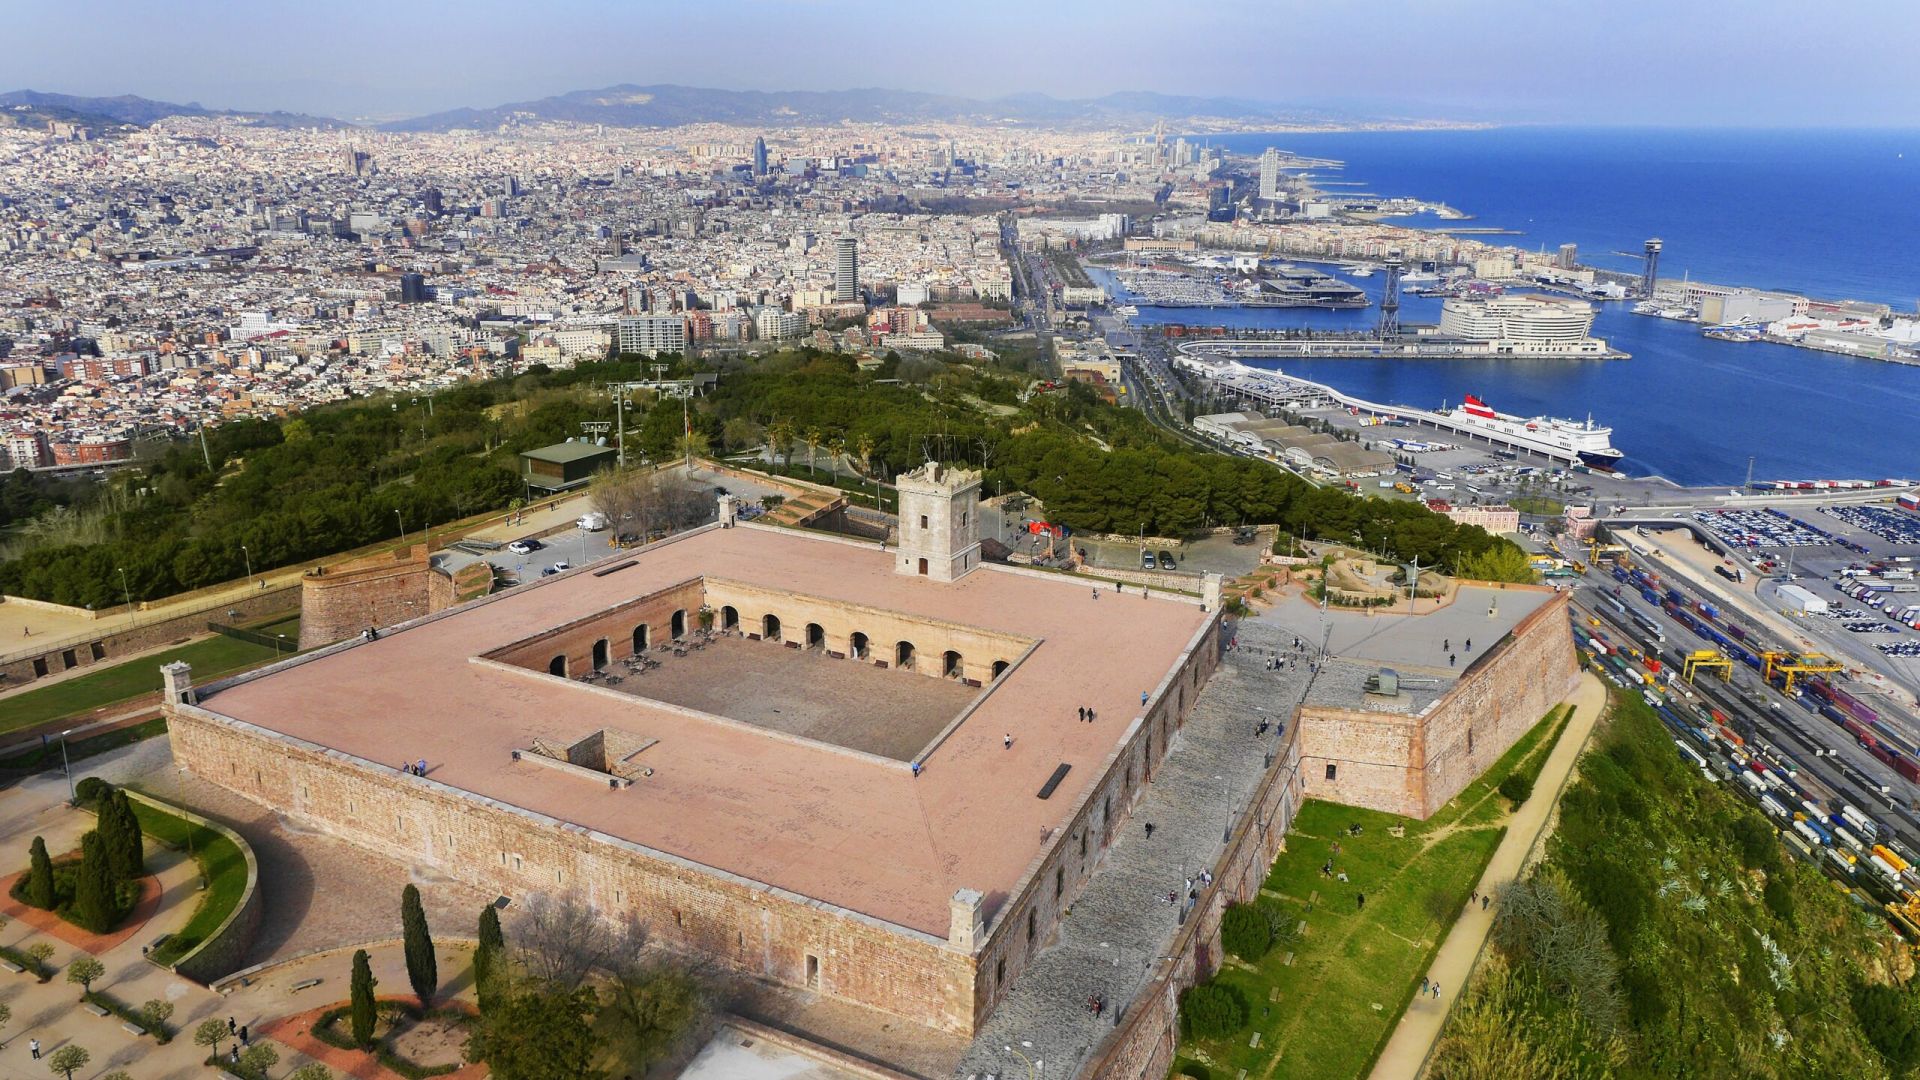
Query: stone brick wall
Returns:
{"type": "Point", "coordinates": [747, 925]}
{"type": "Point", "coordinates": [113, 642]}
{"type": "Point", "coordinates": [618, 626]}
{"type": "Point", "coordinates": [337, 602]}
{"type": "Point", "coordinates": [1413, 765]}
{"type": "Point", "coordinates": [980, 649]}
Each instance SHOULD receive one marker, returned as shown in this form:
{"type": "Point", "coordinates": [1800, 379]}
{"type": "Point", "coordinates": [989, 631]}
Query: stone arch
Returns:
{"type": "Point", "coordinates": [903, 655]}
{"type": "Point", "coordinates": [679, 624]}
{"type": "Point", "coordinates": [729, 618]}
{"type": "Point", "coordinates": [857, 646]}
{"type": "Point", "coordinates": [952, 665]}
{"type": "Point", "coordinates": [816, 636]}
{"type": "Point", "coordinates": [1000, 668]}
{"type": "Point", "coordinates": [640, 635]}
{"type": "Point", "coordinates": [770, 627]}
{"type": "Point", "coordinates": [601, 654]}
{"type": "Point", "coordinates": [558, 666]}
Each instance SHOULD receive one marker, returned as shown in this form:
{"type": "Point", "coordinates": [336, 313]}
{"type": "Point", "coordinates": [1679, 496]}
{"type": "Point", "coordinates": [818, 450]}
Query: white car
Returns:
{"type": "Point", "coordinates": [521, 547]}
{"type": "Point", "coordinates": [556, 568]}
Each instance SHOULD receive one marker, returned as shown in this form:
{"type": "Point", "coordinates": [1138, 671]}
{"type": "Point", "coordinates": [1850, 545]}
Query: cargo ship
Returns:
{"type": "Point", "coordinates": [1585, 442]}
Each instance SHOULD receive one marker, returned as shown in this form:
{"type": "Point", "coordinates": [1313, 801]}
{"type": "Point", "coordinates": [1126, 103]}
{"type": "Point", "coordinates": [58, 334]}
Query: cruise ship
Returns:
{"type": "Point", "coordinates": [1566, 439]}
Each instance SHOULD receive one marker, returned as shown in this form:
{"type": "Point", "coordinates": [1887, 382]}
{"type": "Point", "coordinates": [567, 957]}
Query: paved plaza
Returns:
{"type": "Point", "coordinates": [807, 693]}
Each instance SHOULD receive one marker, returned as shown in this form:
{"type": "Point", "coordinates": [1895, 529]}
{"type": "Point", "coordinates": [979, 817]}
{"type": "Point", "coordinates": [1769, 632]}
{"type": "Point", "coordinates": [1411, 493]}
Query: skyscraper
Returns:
{"type": "Point", "coordinates": [413, 289]}
{"type": "Point", "coordinates": [759, 157]}
{"type": "Point", "coordinates": [846, 270]}
{"type": "Point", "coordinates": [1270, 175]}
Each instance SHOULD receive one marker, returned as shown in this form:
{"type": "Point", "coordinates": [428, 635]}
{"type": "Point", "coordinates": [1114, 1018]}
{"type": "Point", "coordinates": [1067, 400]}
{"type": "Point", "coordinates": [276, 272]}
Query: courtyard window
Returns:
{"type": "Point", "coordinates": [1331, 769]}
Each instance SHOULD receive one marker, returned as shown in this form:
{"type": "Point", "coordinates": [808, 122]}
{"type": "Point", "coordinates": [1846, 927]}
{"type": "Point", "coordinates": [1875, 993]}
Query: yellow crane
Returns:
{"type": "Point", "coordinates": [1710, 660]}
{"type": "Point", "coordinates": [1795, 665]}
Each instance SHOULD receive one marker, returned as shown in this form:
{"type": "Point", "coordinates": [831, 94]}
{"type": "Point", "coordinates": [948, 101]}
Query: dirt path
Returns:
{"type": "Point", "coordinates": [1407, 1051]}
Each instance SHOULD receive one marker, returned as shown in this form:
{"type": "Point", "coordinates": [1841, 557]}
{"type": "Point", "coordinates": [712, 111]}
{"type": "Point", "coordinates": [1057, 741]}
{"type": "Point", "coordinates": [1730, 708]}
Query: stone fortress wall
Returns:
{"type": "Point", "coordinates": [747, 925]}
{"type": "Point", "coordinates": [1415, 764]}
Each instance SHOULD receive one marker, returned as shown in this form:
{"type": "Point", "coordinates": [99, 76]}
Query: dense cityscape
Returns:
{"type": "Point", "coordinates": [745, 584]}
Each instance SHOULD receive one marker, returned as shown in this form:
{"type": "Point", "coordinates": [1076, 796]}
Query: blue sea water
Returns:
{"type": "Point", "coordinates": [1828, 214]}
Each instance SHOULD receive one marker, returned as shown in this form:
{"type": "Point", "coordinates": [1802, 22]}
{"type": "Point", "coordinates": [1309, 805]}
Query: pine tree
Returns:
{"type": "Point", "coordinates": [39, 891]}
{"type": "Point", "coordinates": [361, 1009]}
{"type": "Point", "coordinates": [486, 956]}
{"type": "Point", "coordinates": [423, 969]}
{"type": "Point", "coordinates": [93, 887]}
{"type": "Point", "coordinates": [125, 847]}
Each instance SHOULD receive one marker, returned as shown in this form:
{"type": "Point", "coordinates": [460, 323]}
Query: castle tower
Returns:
{"type": "Point", "coordinates": [939, 522]}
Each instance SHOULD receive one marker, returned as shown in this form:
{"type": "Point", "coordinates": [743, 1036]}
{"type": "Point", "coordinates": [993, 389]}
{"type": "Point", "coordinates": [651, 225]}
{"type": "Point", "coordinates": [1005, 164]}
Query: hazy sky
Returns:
{"type": "Point", "coordinates": [1715, 62]}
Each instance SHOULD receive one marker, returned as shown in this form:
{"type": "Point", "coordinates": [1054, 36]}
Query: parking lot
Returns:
{"type": "Point", "coordinates": [1767, 528]}
{"type": "Point", "coordinates": [1893, 526]}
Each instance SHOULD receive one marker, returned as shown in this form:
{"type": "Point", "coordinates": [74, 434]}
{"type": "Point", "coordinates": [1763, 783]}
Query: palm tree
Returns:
{"type": "Point", "coordinates": [836, 447]}
{"type": "Point", "coordinates": [863, 445]}
{"type": "Point", "coordinates": [779, 438]}
{"type": "Point", "coordinates": [812, 438]}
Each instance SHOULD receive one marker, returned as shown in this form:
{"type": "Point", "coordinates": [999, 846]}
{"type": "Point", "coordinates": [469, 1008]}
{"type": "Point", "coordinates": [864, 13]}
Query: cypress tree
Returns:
{"type": "Point", "coordinates": [93, 885]}
{"type": "Point", "coordinates": [361, 1011]}
{"type": "Point", "coordinates": [486, 955]}
{"type": "Point", "coordinates": [125, 845]}
{"type": "Point", "coordinates": [39, 891]}
{"type": "Point", "coordinates": [423, 969]}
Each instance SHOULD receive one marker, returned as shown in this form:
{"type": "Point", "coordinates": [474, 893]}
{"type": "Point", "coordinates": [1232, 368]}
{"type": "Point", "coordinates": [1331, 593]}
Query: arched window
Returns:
{"type": "Point", "coordinates": [680, 624]}
{"type": "Point", "coordinates": [903, 655]}
{"type": "Point", "coordinates": [857, 646]}
{"type": "Point", "coordinates": [951, 666]}
{"type": "Point", "coordinates": [770, 627]}
{"type": "Point", "coordinates": [600, 654]}
{"type": "Point", "coordinates": [640, 638]}
{"type": "Point", "coordinates": [816, 636]}
{"type": "Point", "coordinates": [729, 618]}
{"type": "Point", "coordinates": [558, 666]}
{"type": "Point", "coordinates": [1000, 668]}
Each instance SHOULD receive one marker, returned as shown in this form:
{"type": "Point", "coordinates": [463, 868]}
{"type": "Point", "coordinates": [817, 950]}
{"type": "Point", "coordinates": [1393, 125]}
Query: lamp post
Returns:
{"type": "Point", "coordinates": [283, 641]}
{"type": "Point", "coordinates": [248, 556]}
{"type": "Point", "coordinates": [402, 523]}
{"type": "Point", "coordinates": [65, 767]}
{"type": "Point", "coordinates": [125, 591]}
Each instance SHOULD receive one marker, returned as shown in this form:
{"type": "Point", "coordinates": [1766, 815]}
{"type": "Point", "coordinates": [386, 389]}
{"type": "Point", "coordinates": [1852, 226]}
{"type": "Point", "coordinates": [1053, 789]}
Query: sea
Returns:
{"type": "Point", "coordinates": [1828, 214]}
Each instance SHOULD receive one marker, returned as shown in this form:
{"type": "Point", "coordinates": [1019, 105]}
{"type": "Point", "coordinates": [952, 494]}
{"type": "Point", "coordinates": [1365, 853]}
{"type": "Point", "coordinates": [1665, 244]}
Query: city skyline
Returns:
{"type": "Point", "coordinates": [1645, 64]}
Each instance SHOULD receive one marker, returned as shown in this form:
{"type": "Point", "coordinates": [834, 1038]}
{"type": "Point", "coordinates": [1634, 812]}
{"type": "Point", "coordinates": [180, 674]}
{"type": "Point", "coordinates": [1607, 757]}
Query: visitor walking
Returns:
{"type": "Point", "coordinates": [1149, 830]}
{"type": "Point", "coordinates": [1360, 901]}
{"type": "Point", "coordinates": [33, 1046]}
{"type": "Point", "coordinates": [1423, 984]}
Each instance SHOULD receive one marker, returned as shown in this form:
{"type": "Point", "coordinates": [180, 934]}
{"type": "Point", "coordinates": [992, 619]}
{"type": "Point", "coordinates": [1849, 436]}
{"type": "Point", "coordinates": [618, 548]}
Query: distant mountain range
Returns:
{"type": "Point", "coordinates": [20, 108]}
{"type": "Point", "coordinates": [670, 106]}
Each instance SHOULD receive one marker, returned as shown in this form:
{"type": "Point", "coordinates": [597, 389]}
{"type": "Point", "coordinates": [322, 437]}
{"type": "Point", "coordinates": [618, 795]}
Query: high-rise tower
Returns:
{"type": "Point", "coordinates": [1270, 175]}
{"type": "Point", "coordinates": [1652, 267]}
{"type": "Point", "coordinates": [1390, 301]}
{"type": "Point", "coordinates": [759, 156]}
{"type": "Point", "coordinates": [846, 270]}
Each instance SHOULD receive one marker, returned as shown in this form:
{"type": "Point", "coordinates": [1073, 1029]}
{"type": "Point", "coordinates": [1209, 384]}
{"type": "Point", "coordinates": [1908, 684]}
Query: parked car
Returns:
{"type": "Point", "coordinates": [592, 521]}
{"type": "Point", "coordinates": [525, 547]}
{"type": "Point", "coordinates": [1146, 560]}
{"type": "Point", "coordinates": [556, 568]}
{"type": "Point", "coordinates": [1166, 560]}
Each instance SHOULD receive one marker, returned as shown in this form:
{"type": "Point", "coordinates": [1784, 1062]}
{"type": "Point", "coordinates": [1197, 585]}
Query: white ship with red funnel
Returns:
{"type": "Point", "coordinates": [1572, 440]}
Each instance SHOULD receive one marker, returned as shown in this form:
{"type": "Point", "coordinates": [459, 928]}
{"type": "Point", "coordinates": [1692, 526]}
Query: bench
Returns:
{"type": "Point", "coordinates": [132, 1028]}
{"type": "Point", "coordinates": [11, 966]}
{"type": "Point", "coordinates": [306, 984]}
{"type": "Point", "coordinates": [96, 1010]}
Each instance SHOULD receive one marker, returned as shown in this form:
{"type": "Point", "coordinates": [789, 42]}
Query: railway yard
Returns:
{"type": "Point", "coordinates": [1804, 711]}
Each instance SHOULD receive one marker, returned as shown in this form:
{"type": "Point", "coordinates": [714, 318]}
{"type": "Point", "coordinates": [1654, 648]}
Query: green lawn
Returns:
{"type": "Point", "coordinates": [222, 868]}
{"type": "Point", "coordinates": [109, 685]}
{"type": "Point", "coordinates": [1354, 970]}
{"type": "Point", "coordinates": [42, 756]}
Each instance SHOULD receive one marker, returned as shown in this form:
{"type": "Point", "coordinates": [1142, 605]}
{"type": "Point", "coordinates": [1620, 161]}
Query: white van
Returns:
{"type": "Point", "coordinates": [593, 521]}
